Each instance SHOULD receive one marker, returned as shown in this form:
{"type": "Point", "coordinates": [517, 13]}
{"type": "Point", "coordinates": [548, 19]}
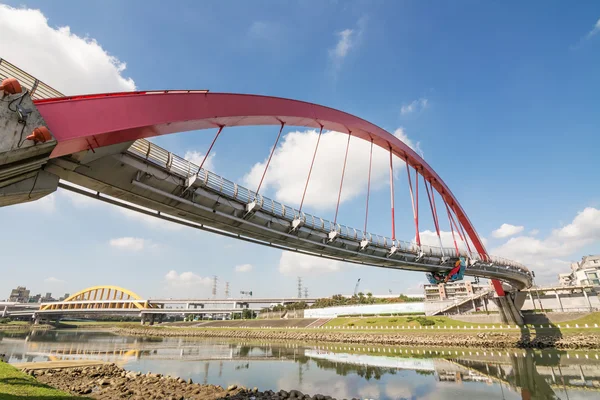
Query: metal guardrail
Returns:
{"type": "Point", "coordinates": [37, 89]}
{"type": "Point", "coordinates": [183, 168]}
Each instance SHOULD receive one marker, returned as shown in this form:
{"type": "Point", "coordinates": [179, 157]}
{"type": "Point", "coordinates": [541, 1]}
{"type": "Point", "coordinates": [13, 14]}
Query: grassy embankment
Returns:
{"type": "Point", "coordinates": [416, 325]}
{"type": "Point", "coordinates": [16, 385]}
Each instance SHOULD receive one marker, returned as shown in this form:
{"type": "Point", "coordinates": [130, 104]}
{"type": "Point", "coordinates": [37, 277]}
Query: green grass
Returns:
{"type": "Point", "coordinates": [16, 385]}
{"type": "Point", "coordinates": [385, 322]}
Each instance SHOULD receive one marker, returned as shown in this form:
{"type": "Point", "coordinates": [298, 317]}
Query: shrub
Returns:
{"type": "Point", "coordinates": [371, 322]}
{"type": "Point", "coordinates": [350, 324]}
{"type": "Point", "coordinates": [4, 320]}
{"type": "Point", "coordinates": [393, 320]}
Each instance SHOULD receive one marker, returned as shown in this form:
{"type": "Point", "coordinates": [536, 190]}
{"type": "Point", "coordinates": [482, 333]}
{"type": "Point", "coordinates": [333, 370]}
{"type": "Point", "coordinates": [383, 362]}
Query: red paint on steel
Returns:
{"type": "Point", "coordinates": [210, 148]}
{"type": "Point", "coordinates": [368, 186]}
{"type": "Point", "coordinates": [452, 230]}
{"type": "Point", "coordinates": [311, 167]}
{"type": "Point", "coordinates": [270, 156]}
{"type": "Point", "coordinates": [433, 214]}
{"type": "Point", "coordinates": [417, 204]}
{"type": "Point", "coordinates": [122, 117]}
{"type": "Point", "coordinates": [412, 199]}
{"type": "Point", "coordinates": [392, 195]}
{"type": "Point", "coordinates": [337, 207]}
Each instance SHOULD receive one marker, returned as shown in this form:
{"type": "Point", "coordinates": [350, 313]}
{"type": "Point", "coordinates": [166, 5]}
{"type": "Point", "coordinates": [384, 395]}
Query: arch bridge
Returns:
{"type": "Point", "coordinates": [98, 142]}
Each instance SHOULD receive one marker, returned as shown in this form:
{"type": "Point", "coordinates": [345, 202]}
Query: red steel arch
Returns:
{"type": "Point", "coordinates": [91, 121]}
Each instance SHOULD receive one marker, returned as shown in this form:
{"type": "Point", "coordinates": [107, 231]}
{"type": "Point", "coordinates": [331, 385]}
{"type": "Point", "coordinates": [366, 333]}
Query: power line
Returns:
{"type": "Point", "coordinates": [226, 290]}
{"type": "Point", "coordinates": [214, 289]}
{"type": "Point", "coordinates": [299, 287]}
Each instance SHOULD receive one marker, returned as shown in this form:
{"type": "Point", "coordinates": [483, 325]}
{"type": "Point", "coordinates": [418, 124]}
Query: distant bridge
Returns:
{"type": "Point", "coordinates": [114, 300]}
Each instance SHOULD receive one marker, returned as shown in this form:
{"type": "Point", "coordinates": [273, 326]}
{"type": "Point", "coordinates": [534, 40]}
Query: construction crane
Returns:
{"type": "Point", "coordinates": [356, 287]}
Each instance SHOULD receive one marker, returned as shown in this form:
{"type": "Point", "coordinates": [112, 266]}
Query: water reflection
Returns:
{"type": "Point", "coordinates": [342, 371]}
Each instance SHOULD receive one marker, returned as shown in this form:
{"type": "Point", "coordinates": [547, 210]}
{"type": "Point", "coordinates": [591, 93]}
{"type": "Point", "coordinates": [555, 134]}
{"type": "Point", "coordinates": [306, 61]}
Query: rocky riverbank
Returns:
{"type": "Point", "coordinates": [109, 382]}
{"type": "Point", "coordinates": [475, 340]}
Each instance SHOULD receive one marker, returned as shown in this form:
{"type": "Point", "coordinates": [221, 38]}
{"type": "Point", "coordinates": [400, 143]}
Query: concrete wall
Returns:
{"type": "Point", "coordinates": [397, 308]}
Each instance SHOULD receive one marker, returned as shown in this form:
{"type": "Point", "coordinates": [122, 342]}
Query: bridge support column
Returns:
{"type": "Point", "coordinates": [143, 320]}
{"type": "Point", "coordinates": [509, 313]}
{"type": "Point", "coordinates": [151, 320]}
{"type": "Point", "coordinates": [5, 312]}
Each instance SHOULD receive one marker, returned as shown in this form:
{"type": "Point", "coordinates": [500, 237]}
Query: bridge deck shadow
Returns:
{"type": "Point", "coordinates": [542, 328]}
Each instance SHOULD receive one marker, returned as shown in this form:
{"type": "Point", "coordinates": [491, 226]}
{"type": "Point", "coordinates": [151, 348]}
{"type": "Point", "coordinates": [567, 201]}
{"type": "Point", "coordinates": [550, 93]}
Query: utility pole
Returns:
{"type": "Point", "coordinates": [226, 290]}
{"type": "Point", "coordinates": [305, 292]}
{"type": "Point", "coordinates": [299, 287]}
{"type": "Point", "coordinates": [214, 289]}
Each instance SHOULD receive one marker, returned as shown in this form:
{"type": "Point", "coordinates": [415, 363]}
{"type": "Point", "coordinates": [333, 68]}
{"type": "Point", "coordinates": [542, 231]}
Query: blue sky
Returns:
{"type": "Point", "coordinates": [501, 98]}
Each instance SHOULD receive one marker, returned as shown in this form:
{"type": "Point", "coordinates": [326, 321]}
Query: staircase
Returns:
{"type": "Point", "coordinates": [318, 323]}
{"type": "Point", "coordinates": [461, 302]}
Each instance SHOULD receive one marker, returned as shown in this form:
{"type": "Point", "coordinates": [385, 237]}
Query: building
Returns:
{"type": "Point", "coordinates": [565, 279]}
{"type": "Point", "coordinates": [19, 295]}
{"type": "Point", "coordinates": [584, 272]}
{"type": "Point", "coordinates": [454, 290]}
{"type": "Point", "coordinates": [35, 299]}
{"type": "Point", "coordinates": [47, 298]}
{"type": "Point", "coordinates": [66, 296]}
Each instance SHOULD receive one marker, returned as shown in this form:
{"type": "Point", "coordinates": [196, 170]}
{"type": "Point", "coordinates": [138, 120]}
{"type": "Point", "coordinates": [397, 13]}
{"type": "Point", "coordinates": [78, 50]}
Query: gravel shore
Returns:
{"type": "Point", "coordinates": [109, 382]}
{"type": "Point", "coordinates": [476, 340]}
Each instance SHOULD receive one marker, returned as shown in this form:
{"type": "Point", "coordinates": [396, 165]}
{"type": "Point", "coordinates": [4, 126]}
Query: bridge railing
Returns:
{"type": "Point", "coordinates": [37, 89]}
{"type": "Point", "coordinates": [185, 169]}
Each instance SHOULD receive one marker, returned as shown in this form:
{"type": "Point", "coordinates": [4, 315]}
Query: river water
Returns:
{"type": "Point", "coordinates": [338, 370]}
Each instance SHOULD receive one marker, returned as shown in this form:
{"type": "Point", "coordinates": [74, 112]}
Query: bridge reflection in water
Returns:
{"type": "Point", "coordinates": [504, 374]}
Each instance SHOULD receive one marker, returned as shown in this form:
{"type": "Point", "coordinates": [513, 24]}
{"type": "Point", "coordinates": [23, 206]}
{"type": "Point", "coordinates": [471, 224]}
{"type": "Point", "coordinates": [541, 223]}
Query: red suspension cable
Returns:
{"type": "Point", "coordinates": [210, 148]}
{"type": "Point", "coordinates": [417, 201]}
{"type": "Point", "coordinates": [337, 207]}
{"type": "Point", "coordinates": [412, 199]}
{"type": "Point", "coordinates": [311, 167]}
{"type": "Point", "coordinates": [433, 212]}
{"type": "Point", "coordinates": [466, 238]}
{"type": "Point", "coordinates": [392, 195]}
{"type": "Point", "coordinates": [270, 156]}
{"type": "Point", "coordinates": [452, 229]}
{"type": "Point", "coordinates": [368, 187]}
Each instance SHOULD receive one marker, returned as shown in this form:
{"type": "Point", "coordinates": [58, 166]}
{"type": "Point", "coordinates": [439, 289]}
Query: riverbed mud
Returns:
{"type": "Point", "coordinates": [476, 340]}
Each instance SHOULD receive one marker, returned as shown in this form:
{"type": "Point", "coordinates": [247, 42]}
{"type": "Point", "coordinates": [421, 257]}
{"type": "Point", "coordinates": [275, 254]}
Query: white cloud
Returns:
{"type": "Point", "coordinates": [534, 232]}
{"type": "Point", "coordinates": [595, 30]}
{"type": "Point", "coordinates": [243, 268]}
{"type": "Point", "coordinates": [343, 45]}
{"type": "Point", "coordinates": [291, 161]}
{"type": "Point", "coordinates": [196, 157]}
{"type": "Point", "coordinates": [53, 280]}
{"type": "Point", "coordinates": [186, 280]}
{"type": "Point", "coordinates": [60, 58]}
{"type": "Point", "coordinates": [415, 105]}
{"type": "Point", "coordinates": [129, 243]}
{"type": "Point", "coordinates": [347, 39]}
{"type": "Point", "coordinates": [298, 264]}
{"type": "Point", "coordinates": [546, 256]}
{"type": "Point", "coordinates": [507, 230]}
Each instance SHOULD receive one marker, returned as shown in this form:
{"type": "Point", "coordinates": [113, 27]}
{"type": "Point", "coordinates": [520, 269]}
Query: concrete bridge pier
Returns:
{"type": "Point", "coordinates": [509, 307]}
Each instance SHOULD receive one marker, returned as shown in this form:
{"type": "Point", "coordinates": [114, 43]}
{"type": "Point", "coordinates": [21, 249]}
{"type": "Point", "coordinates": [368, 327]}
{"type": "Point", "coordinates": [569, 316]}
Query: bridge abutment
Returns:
{"type": "Point", "coordinates": [22, 161]}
